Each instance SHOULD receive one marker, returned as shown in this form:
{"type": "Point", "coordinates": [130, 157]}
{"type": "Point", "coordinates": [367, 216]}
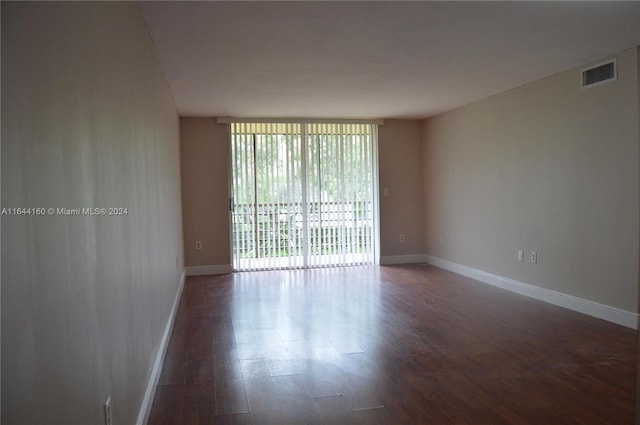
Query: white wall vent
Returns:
{"type": "Point", "coordinates": [599, 74]}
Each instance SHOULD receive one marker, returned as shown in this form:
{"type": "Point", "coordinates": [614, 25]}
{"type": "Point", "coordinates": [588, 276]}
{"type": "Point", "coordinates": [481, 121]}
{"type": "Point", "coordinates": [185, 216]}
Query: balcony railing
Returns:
{"type": "Point", "coordinates": [277, 229]}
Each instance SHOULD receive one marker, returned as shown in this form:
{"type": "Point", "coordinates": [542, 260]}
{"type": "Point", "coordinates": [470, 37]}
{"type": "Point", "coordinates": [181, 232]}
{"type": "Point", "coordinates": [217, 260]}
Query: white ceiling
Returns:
{"type": "Point", "coordinates": [372, 59]}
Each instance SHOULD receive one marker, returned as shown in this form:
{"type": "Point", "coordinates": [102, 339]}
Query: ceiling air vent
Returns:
{"type": "Point", "coordinates": [599, 74]}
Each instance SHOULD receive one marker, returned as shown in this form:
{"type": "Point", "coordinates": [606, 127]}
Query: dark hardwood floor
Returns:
{"type": "Point", "coordinates": [387, 345]}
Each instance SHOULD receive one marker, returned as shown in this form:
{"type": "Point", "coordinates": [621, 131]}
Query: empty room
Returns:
{"type": "Point", "coordinates": [320, 212]}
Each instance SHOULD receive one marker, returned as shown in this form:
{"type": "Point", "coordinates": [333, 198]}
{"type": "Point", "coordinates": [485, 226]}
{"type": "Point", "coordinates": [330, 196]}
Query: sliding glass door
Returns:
{"type": "Point", "coordinates": [303, 195]}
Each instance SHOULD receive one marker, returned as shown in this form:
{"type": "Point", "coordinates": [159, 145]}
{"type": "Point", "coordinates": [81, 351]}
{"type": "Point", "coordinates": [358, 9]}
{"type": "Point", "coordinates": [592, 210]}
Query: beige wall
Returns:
{"type": "Point", "coordinates": [87, 121]}
{"type": "Point", "coordinates": [204, 152]}
{"type": "Point", "coordinates": [204, 156]}
{"type": "Point", "coordinates": [547, 167]}
{"type": "Point", "coordinates": [638, 365]}
{"type": "Point", "coordinates": [400, 170]}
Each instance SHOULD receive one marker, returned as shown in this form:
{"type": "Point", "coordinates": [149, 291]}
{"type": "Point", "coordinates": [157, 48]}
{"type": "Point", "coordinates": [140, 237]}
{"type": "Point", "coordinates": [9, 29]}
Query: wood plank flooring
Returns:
{"type": "Point", "coordinates": [407, 344]}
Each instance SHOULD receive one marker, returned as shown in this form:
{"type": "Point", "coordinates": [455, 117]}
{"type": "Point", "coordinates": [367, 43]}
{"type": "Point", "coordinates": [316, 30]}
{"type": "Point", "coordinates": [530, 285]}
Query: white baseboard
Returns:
{"type": "Point", "coordinates": [401, 259]}
{"type": "Point", "coordinates": [149, 394]}
{"type": "Point", "coordinates": [205, 270]}
{"type": "Point", "coordinates": [591, 308]}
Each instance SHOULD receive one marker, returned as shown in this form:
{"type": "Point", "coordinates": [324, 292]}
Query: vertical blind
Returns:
{"type": "Point", "coordinates": [303, 195]}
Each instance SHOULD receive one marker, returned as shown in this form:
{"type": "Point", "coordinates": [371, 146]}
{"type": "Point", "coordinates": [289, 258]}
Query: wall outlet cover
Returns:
{"type": "Point", "coordinates": [107, 412]}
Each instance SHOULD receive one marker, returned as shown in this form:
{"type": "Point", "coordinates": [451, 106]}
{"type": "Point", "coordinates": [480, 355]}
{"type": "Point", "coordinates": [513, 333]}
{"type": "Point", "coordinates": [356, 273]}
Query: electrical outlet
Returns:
{"type": "Point", "coordinates": [198, 245]}
{"type": "Point", "coordinates": [534, 257]}
{"type": "Point", "coordinates": [520, 255]}
{"type": "Point", "coordinates": [403, 238]}
{"type": "Point", "coordinates": [107, 412]}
